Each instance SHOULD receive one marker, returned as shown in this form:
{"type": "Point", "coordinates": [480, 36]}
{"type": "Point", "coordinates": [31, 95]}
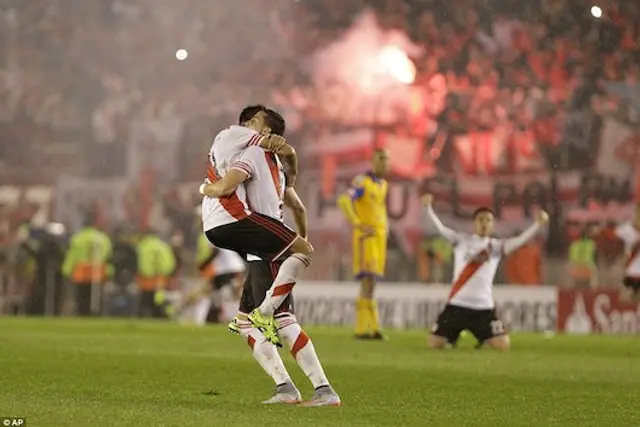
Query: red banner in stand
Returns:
{"type": "Point", "coordinates": [597, 311]}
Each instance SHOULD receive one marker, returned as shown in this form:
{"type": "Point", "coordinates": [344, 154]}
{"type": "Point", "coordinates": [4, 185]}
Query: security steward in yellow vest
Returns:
{"type": "Point", "coordinates": [582, 261]}
{"type": "Point", "coordinates": [86, 263]}
{"type": "Point", "coordinates": [156, 263]}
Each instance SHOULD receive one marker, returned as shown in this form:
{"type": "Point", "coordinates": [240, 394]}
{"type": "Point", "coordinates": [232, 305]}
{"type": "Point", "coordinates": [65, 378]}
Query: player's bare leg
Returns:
{"type": "Point", "coordinates": [288, 274]}
{"type": "Point", "coordinates": [368, 321]}
{"type": "Point", "coordinates": [268, 358]}
{"type": "Point", "coordinates": [437, 342]}
{"type": "Point", "coordinates": [502, 342]}
{"type": "Point", "coordinates": [304, 353]}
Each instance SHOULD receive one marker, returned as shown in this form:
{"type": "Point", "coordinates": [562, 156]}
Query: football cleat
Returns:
{"type": "Point", "coordinates": [286, 394]}
{"type": "Point", "coordinates": [267, 326]}
{"type": "Point", "coordinates": [233, 326]}
{"type": "Point", "coordinates": [376, 336]}
{"type": "Point", "coordinates": [283, 398]}
{"type": "Point", "coordinates": [362, 336]}
{"type": "Point", "coordinates": [379, 336]}
{"type": "Point", "coordinates": [324, 396]}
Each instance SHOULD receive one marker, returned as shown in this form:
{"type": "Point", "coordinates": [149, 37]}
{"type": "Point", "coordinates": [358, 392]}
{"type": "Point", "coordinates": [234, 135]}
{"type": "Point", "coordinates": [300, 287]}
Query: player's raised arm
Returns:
{"type": "Point", "coordinates": [287, 154]}
{"type": "Point", "coordinates": [293, 202]}
{"type": "Point", "coordinates": [626, 233]}
{"type": "Point", "coordinates": [451, 235]}
{"type": "Point", "coordinates": [513, 243]}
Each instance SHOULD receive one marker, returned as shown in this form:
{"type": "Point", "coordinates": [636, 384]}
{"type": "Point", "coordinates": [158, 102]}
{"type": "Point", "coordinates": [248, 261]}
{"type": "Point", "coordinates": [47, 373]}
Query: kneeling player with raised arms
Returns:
{"type": "Point", "coordinates": [470, 304]}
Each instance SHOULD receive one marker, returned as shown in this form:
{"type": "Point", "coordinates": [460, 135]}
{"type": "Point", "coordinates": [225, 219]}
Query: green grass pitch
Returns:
{"type": "Point", "coordinates": [115, 373]}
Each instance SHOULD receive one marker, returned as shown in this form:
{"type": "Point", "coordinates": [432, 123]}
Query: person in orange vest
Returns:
{"type": "Point", "coordinates": [156, 264]}
{"type": "Point", "coordinates": [524, 265]}
{"type": "Point", "coordinates": [86, 264]}
{"type": "Point", "coordinates": [611, 253]}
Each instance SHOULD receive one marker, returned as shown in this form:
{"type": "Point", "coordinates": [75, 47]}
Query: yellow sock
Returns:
{"type": "Point", "coordinates": [362, 317]}
{"type": "Point", "coordinates": [374, 319]}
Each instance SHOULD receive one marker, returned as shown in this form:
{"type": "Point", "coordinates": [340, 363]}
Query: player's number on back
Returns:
{"type": "Point", "coordinates": [497, 327]}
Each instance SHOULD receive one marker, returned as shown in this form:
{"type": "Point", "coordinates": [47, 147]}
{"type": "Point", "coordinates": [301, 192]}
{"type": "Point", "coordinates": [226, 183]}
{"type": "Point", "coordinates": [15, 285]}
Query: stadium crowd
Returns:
{"type": "Point", "coordinates": [102, 75]}
{"type": "Point", "coordinates": [93, 87]}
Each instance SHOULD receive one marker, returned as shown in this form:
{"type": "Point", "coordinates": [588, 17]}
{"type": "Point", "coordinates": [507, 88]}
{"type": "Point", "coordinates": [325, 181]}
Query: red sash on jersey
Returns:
{"type": "Point", "coordinates": [230, 203]}
{"type": "Point", "coordinates": [469, 270]}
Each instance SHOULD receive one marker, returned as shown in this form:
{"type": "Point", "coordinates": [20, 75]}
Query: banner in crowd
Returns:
{"type": "Point", "coordinates": [402, 305]}
{"type": "Point", "coordinates": [481, 154]}
{"type": "Point", "coordinates": [610, 191]}
{"type": "Point", "coordinates": [606, 192]}
{"type": "Point", "coordinates": [584, 197]}
{"type": "Point", "coordinates": [597, 311]}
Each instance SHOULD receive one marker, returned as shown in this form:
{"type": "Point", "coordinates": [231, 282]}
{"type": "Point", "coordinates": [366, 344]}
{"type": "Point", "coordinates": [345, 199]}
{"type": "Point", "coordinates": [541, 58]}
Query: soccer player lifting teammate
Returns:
{"type": "Point", "coordinates": [365, 206]}
{"type": "Point", "coordinates": [267, 192]}
{"type": "Point", "coordinates": [476, 257]}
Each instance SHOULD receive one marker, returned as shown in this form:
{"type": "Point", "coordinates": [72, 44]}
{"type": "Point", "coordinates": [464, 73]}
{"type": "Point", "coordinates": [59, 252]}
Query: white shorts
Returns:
{"type": "Point", "coordinates": [196, 313]}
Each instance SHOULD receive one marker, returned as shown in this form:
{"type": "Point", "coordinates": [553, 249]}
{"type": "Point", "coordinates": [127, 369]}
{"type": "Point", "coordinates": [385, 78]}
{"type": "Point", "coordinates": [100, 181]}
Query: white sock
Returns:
{"type": "Point", "coordinates": [265, 353]}
{"type": "Point", "coordinates": [301, 349]}
{"type": "Point", "coordinates": [290, 270]}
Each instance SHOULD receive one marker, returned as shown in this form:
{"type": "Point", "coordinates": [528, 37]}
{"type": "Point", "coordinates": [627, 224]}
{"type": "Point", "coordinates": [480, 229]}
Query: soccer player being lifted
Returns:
{"type": "Point", "coordinates": [476, 257]}
{"type": "Point", "coordinates": [365, 206]}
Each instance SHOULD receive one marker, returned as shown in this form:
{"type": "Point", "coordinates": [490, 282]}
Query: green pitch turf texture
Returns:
{"type": "Point", "coordinates": [93, 373]}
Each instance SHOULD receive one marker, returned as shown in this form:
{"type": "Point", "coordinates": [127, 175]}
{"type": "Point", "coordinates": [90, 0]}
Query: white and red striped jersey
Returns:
{"type": "Point", "coordinates": [630, 235]}
{"type": "Point", "coordinates": [476, 261]}
{"type": "Point", "coordinates": [225, 151]}
{"type": "Point", "coordinates": [266, 185]}
{"type": "Point", "coordinates": [265, 189]}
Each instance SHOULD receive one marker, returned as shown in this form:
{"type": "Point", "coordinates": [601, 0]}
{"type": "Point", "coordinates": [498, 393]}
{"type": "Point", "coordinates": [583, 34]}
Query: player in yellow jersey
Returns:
{"type": "Point", "coordinates": [365, 206]}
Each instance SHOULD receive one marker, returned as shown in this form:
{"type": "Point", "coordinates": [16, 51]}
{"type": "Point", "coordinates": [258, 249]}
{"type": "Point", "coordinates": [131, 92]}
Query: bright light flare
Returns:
{"type": "Point", "coordinates": [596, 12]}
{"type": "Point", "coordinates": [397, 64]}
{"type": "Point", "coordinates": [181, 54]}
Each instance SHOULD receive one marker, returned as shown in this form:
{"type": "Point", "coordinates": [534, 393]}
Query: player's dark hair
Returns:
{"type": "Point", "coordinates": [482, 210]}
{"type": "Point", "coordinates": [276, 122]}
{"type": "Point", "coordinates": [248, 112]}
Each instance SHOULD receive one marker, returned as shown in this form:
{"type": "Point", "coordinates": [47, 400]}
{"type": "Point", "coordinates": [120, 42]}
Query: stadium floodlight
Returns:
{"type": "Point", "coordinates": [181, 54]}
